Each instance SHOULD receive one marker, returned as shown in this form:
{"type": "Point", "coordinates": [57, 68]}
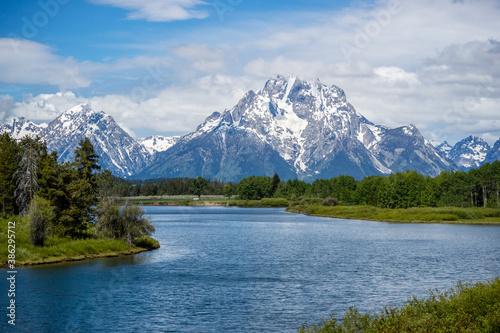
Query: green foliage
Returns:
{"type": "Point", "coordinates": [229, 190]}
{"type": "Point", "coordinates": [274, 202]}
{"type": "Point", "coordinates": [40, 217]}
{"type": "Point", "coordinates": [136, 225]}
{"type": "Point", "coordinates": [8, 166]}
{"type": "Point", "coordinates": [414, 214]}
{"type": "Point", "coordinates": [54, 247]}
{"type": "Point", "coordinates": [147, 242]}
{"type": "Point", "coordinates": [86, 161]}
{"type": "Point", "coordinates": [198, 185]}
{"type": "Point", "coordinates": [255, 188]}
{"type": "Point", "coordinates": [330, 202]}
{"type": "Point", "coordinates": [275, 183]}
{"type": "Point", "coordinates": [127, 223]}
{"type": "Point", "coordinates": [59, 200]}
{"type": "Point", "coordinates": [465, 308]}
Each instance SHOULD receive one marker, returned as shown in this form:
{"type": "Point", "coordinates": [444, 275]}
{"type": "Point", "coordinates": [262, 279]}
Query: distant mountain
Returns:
{"type": "Point", "coordinates": [296, 128]}
{"type": "Point", "coordinates": [157, 143]}
{"type": "Point", "coordinates": [444, 148]}
{"type": "Point", "coordinates": [299, 129]}
{"type": "Point", "coordinates": [20, 127]}
{"type": "Point", "coordinates": [403, 148]}
{"type": "Point", "coordinates": [118, 151]}
{"type": "Point", "coordinates": [469, 153]}
{"type": "Point", "coordinates": [494, 153]}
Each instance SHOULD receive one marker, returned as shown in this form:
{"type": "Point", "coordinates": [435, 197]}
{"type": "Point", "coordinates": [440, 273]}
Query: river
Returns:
{"type": "Point", "coordinates": [225, 269]}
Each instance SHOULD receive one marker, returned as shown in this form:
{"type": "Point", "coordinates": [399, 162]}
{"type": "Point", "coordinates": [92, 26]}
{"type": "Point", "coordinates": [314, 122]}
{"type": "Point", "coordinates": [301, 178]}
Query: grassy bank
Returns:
{"type": "Point", "coordinates": [465, 308]}
{"type": "Point", "coordinates": [410, 215]}
{"type": "Point", "coordinates": [204, 201]}
{"type": "Point", "coordinates": [63, 249]}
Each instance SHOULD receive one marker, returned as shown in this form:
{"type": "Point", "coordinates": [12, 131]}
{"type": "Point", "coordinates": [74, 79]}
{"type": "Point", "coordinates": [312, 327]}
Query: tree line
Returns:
{"type": "Point", "coordinates": [63, 199]}
{"type": "Point", "coordinates": [475, 188]}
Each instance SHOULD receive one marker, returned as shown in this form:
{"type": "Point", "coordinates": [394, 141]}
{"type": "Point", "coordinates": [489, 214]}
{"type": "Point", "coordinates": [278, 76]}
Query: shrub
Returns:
{"type": "Point", "coordinates": [40, 216]}
{"type": "Point", "coordinates": [330, 202]}
{"type": "Point", "coordinates": [128, 223]}
{"type": "Point", "coordinates": [274, 202]}
{"type": "Point", "coordinates": [147, 242]}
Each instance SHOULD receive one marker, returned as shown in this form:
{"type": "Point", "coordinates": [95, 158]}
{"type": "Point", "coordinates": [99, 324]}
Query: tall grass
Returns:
{"type": "Point", "coordinates": [465, 308]}
{"type": "Point", "coordinates": [416, 214]}
{"type": "Point", "coordinates": [55, 248]}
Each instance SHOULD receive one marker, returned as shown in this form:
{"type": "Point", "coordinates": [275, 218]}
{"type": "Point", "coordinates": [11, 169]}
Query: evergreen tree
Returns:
{"type": "Point", "coordinates": [229, 190]}
{"type": "Point", "coordinates": [8, 166]}
{"type": "Point", "coordinates": [78, 188]}
{"type": "Point", "coordinates": [198, 185]}
{"type": "Point", "coordinates": [276, 181]}
{"type": "Point", "coordinates": [87, 162]}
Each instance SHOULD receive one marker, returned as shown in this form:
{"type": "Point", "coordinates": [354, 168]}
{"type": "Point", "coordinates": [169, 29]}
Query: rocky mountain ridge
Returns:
{"type": "Point", "coordinates": [297, 128]}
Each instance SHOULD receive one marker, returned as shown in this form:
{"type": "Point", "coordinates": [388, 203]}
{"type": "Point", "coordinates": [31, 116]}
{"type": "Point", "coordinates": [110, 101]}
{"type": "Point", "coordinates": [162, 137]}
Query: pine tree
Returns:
{"type": "Point", "coordinates": [8, 167]}
{"type": "Point", "coordinates": [83, 189]}
{"type": "Point", "coordinates": [275, 183]}
{"type": "Point", "coordinates": [87, 161]}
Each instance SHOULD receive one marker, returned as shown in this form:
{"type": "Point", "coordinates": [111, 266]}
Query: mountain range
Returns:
{"type": "Point", "coordinates": [296, 128]}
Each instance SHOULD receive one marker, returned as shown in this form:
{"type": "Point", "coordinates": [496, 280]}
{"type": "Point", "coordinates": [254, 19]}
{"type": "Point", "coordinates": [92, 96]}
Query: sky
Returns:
{"type": "Point", "coordinates": [163, 66]}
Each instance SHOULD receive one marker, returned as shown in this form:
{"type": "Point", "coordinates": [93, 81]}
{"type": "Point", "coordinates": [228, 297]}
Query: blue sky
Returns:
{"type": "Point", "coordinates": [163, 66]}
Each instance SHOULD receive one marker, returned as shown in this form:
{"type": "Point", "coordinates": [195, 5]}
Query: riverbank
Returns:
{"type": "Point", "coordinates": [16, 246]}
{"type": "Point", "coordinates": [55, 260]}
{"type": "Point", "coordinates": [465, 308]}
{"type": "Point", "coordinates": [448, 215]}
{"type": "Point", "coordinates": [204, 201]}
{"type": "Point", "coordinates": [409, 215]}
{"type": "Point", "coordinates": [65, 250]}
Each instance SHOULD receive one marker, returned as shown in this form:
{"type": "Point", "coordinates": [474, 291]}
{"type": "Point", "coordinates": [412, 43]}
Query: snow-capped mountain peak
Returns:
{"type": "Point", "coordinates": [20, 127]}
{"type": "Point", "coordinates": [158, 143]}
{"type": "Point", "coordinates": [469, 152]}
{"type": "Point", "coordinates": [445, 148]}
{"type": "Point", "coordinates": [296, 127]}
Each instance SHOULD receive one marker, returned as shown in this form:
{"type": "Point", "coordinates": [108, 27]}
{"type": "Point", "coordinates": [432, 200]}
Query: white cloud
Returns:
{"type": "Point", "coordinates": [174, 109]}
{"type": "Point", "coordinates": [202, 58]}
{"type": "Point", "coordinates": [43, 107]}
{"type": "Point", "coordinates": [178, 108]}
{"type": "Point", "coordinates": [434, 63]}
{"type": "Point", "coordinates": [27, 62]}
{"type": "Point", "coordinates": [159, 10]}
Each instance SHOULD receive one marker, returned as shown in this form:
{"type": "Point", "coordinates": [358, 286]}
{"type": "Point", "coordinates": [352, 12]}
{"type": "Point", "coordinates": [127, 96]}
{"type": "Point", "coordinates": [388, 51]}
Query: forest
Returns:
{"type": "Point", "coordinates": [475, 188]}
{"type": "Point", "coordinates": [63, 200]}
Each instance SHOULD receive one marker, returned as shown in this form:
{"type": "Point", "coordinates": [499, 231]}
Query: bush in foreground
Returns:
{"type": "Point", "coordinates": [147, 243]}
{"type": "Point", "coordinates": [465, 308]}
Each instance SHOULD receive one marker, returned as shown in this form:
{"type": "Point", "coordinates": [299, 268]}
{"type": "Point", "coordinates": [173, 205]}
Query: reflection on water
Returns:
{"type": "Point", "coordinates": [252, 270]}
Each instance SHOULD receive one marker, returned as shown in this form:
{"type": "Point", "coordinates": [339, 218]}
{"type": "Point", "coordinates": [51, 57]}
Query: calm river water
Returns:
{"type": "Point", "coordinates": [252, 270]}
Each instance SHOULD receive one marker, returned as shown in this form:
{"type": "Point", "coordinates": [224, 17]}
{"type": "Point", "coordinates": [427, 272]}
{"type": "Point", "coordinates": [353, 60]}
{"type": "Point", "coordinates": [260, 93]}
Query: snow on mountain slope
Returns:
{"type": "Point", "coordinates": [445, 148]}
{"type": "Point", "coordinates": [469, 152]}
{"type": "Point", "coordinates": [313, 129]}
{"type": "Point", "coordinates": [157, 143]}
{"type": "Point", "coordinates": [118, 151]}
{"type": "Point", "coordinates": [20, 127]}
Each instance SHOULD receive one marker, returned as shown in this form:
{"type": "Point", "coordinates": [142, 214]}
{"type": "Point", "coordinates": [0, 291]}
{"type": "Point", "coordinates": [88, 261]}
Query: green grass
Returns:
{"type": "Point", "coordinates": [465, 308]}
{"type": "Point", "coordinates": [61, 249]}
{"type": "Point", "coordinates": [415, 215]}
{"type": "Point", "coordinates": [160, 201]}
